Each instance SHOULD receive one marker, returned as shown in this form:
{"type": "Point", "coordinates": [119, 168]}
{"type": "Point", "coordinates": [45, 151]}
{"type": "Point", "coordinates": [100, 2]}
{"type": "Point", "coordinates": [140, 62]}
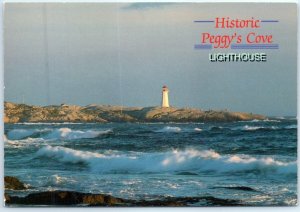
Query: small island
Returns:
{"type": "Point", "coordinates": [18, 113]}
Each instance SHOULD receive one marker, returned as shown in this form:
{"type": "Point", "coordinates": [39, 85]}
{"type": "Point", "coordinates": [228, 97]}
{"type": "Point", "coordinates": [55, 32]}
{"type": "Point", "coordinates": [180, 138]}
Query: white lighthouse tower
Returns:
{"type": "Point", "coordinates": [165, 97]}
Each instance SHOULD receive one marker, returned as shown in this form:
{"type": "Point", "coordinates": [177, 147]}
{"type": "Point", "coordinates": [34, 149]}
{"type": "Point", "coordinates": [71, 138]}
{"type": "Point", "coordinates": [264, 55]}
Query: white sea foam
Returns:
{"type": "Point", "coordinates": [264, 120]}
{"type": "Point", "coordinates": [69, 134]}
{"type": "Point", "coordinates": [67, 155]}
{"type": "Point", "coordinates": [252, 128]}
{"type": "Point", "coordinates": [9, 143]}
{"type": "Point", "coordinates": [56, 180]}
{"type": "Point", "coordinates": [294, 126]}
{"type": "Point", "coordinates": [169, 129]}
{"type": "Point", "coordinates": [286, 118]}
{"type": "Point", "coordinates": [5, 139]}
{"type": "Point", "coordinates": [271, 120]}
{"type": "Point", "coordinates": [198, 129]}
{"type": "Point", "coordinates": [28, 142]}
{"type": "Point", "coordinates": [254, 120]}
{"type": "Point", "coordinates": [61, 133]}
{"type": "Point", "coordinates": [246, 127]}
{"type": "Point", "coordinates": [190, 159]}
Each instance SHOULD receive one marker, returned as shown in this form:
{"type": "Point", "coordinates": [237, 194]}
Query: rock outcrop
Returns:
{"type": "Point", "coordinates": [13, 183]}
{"type": "Point", "coordinates": [98, 113]}
{"type": "Point", "coordinates": [71, 198]}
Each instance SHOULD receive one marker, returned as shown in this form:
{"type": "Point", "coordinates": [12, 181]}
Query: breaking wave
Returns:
{"type": "Point", "coordinates": [169, 129]}
{"type": "Point", "coordinates": [176, 160]}
{"type": "Point", "coordinates": [198, 129]}
{"type": "Point", "coordinates": [17, 134]}
{"type": "Point", "coordinates": [72, 134]}
{"type": "Point", "coordinates": [291, 127]}
{"type": "Point", "coordinates": [251, 128]}
{"type": "Point", "coordinates": [264, 120]}
{"type": "Point", "coordinates": [68, 134]}
{"type": "Point", "coordinates": [61, 133]}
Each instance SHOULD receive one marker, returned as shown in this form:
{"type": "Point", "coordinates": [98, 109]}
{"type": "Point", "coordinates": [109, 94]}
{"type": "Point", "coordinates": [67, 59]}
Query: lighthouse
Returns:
{"type": "Point", "coordinates": [165, 97]}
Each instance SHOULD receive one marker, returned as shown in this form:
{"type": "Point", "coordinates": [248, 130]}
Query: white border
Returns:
{"type": "Point", "coordinates": [187, 1]}
{"type": "Point", "coordinates": [169, 209]}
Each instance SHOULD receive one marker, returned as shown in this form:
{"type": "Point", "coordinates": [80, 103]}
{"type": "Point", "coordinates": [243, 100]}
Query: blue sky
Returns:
{"type": "Point", "coordinates": [122, 54]}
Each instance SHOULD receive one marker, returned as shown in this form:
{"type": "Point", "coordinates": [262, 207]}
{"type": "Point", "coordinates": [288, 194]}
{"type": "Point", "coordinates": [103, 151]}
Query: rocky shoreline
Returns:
{"type": "Point", "coordinates": [18, 113]}
{"type": "Point", "coordinates": [73, 198]}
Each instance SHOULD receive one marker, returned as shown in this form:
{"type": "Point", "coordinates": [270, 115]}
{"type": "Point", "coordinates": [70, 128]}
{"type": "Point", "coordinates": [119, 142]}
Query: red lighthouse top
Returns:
{"type": "Point", "coordinates": [165, 88]}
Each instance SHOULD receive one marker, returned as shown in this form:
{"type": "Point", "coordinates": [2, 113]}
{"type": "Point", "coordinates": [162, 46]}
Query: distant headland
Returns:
{"type": "Point", "coordinates": [17, 113]}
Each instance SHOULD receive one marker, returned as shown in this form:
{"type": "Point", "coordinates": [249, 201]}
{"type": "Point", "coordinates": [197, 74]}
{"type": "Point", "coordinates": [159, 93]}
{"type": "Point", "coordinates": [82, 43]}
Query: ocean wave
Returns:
{"type": "Point", "coordinates": [69, 134]}
{"type": "Point", "coordinates": [169, 129]}
{"type": "Point", "coordinates": [48, 134]}
{"type": "Point", "coordinates": [263, 120]}
{"type": "Point", "coordinates": [51, 123]}
{"type": "Point", "coordinates": [21, 143]}
{"type": "Point", "coordinates": [8, 143]}
{"type": "Point", "coordinates": [198, 129]}
{"type": "Point", "coordinates": [171, 161]}
{"type": "Point", "coordinates": [54, 180]}
{"type": "Point", "coordinates": [293, 126]}
{"type": "Point", "coordinates": [271, 120]}
{"type": "Point", "coordinates": [18, 134]}
{"type": "Point", "coordinates": [286, 118]}
{"type": "Point", "coordinates": [217, 128]}
{"type": "Point", "coordinates": [252, 128]}
{"type": "Point", "coordinates": [5, 139]}
{"type": "Point", "coordinates": [253, 120]}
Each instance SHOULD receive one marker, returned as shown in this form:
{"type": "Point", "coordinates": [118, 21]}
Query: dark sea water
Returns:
{"type": "Point", "coordinates": [151, 161]}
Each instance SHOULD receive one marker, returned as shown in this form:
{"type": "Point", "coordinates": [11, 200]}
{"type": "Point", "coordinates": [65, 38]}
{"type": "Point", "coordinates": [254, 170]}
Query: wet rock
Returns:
{"type": "Point", "coordinates": [222, 202]}
{"type": "Point", "coordinates": [13, 183]}
{"type": "Point", "coordinates": [70, 198]}
{"type": "Point", "coordinates": [94, 199]}
{"type": "Point", "coordinates": [7, 198]}
{"type": "Point", "coordinates": [160, 203]}
{"type": "Point", "coordinates": [63, 198]}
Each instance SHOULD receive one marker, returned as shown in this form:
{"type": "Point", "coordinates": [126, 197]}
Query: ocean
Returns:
{"type": "Point", "coordinates": [250, 161]}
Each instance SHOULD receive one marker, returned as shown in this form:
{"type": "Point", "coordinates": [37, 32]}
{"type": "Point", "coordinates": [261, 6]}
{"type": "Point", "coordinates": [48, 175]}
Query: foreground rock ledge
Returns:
{"type": "Point", "coordinates": [100, 113]}
{"type": "Point", "coordinates": [70, 198]}
{"type": "Point", "coordinates": [13, 183]}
